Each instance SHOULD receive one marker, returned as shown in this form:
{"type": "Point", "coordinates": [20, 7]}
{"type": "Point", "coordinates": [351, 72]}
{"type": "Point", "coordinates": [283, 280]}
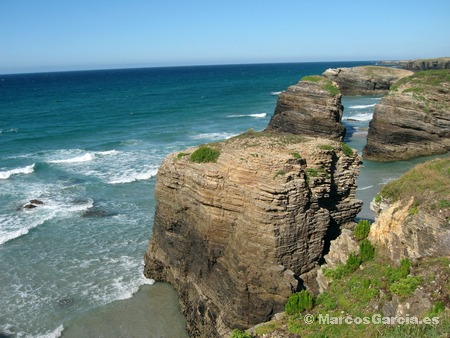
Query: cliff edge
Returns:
{"type": "Point", "coordinates": [238, 222]}
{"type": "Point", "coordinates": [412, 120]}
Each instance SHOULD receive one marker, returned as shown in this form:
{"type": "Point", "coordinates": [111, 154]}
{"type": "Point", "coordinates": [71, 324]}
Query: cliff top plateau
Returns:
{"type": "Point", "coordinates": [420, 64]}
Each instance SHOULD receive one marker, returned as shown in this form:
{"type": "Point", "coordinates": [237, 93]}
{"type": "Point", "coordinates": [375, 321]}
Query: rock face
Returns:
{"type": "Point", "coordinates": [233, 236]}
{"type": "Point", "coordinates": [310, 107]}
{"type": "Point", "coordinates": [421, 64]}
{"type": "Point", "coordinates": [365, 80]}
{"type": "Point", "coordinates": [414, 213]}
{"type": "Point", "coordinates": [413, 120]}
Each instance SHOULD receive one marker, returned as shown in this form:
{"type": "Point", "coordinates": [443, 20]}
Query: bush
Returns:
{"type": "Point", "coordinates": [395, 274]}
{"type": "Point", "coordinates": [366, 250]}
{"type": "Point", "coordinates": [362, 229]}
{"type": "Point", "coordinates": [299, 302]}
{"type": "Point", "coordinates": [405, 286]}
{"type": "Point", "coordinates": [205, 154]}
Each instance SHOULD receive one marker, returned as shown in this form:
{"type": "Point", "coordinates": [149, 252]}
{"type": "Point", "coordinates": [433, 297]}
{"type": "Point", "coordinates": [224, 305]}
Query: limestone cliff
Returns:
{"type": "Point", "coordinates": [310, 107]}
{"type": "Point", "coordinates": [365, 80]}
{"type": "Point", "coordinates": [413, 120]}
{"type": "Point", "coordinates": [413, 213]}
{"type": "Point", "coordinates": [233, 236]}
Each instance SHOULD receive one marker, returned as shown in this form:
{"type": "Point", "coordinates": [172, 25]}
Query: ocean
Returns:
{"type": "Point", "coordinates": [86, 146]}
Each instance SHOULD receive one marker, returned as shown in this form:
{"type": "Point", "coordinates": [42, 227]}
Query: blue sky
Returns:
{"type": "Point", "coordinates": [43, 35]}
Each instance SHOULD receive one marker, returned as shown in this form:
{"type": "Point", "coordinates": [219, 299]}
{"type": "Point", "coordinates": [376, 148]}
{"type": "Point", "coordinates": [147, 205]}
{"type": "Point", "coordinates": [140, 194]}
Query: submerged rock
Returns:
{"type": "Point", "coordinates": [311, 107]}
{"type": "Point", "coordinates": [34, 203]}
{"type": "Point", "coordinates": [413, 120]}
{"type": "Point", "coordinates": [97, 213]}
{"type": "Point", "coordinates": [233, 236]}
{"type": "Point", "coordinates": [365, 80]}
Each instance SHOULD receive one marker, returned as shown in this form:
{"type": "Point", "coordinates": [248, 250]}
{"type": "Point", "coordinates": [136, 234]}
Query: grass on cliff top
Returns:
{"type": "Point", "coordinates": [428, 183]}
{"type": "Point", "coordinates": [253, 138]}
{"type": "Point", "coordinates": [362, 293]}
{"type": "Point", "coordinates": [421, 80]}
{"type": "Point", "coordinates": [325, 84]}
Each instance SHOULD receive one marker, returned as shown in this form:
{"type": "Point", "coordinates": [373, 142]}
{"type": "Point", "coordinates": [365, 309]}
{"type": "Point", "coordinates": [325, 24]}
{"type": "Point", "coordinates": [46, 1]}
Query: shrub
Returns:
{"type": "Point", "coordinates": [395, 274]}
{"type": "Point", "coordinates": [437, 308]}
{"type": "Point", "coordinates": [405, 286]}
{"type": "Point", "coordinates": [299, 302]}
{"type": "Point", "coordinates": [362, 229]}
{"type": "Point", "coordinates": [278, 173]}
{"type": "Point", "coordinates": [366, 250]}
{"type": "Point", "coordinates": [297, 156]}
{"type": "Point", "coordinates": [181, 155]}
{"type": "Point", "coordinates": [353, 262]}
{"type": "Point", "coordinates": [326, 301]}
{"type": "Point", "coordinates": [205, 154]}
{"type": "Point", "coordinates": [326, 147]}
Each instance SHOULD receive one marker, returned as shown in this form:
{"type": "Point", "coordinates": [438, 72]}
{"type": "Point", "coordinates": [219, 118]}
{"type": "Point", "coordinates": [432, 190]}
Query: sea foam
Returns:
{"type": "Point", "coordinates": [359, 117]}
{"type": "Point", "coordinates": [362, 106]}
{"type": "Point", "coordinates": [78, 159]}
{"type": "Point", "coordinates": [260, 115]}
{"type": "Point", "coordinates": [4, 175]}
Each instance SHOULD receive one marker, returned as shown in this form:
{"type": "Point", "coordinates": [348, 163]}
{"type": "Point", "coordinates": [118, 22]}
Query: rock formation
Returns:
{"type": "Point", "coordinates": [310, 107]}
{"type": "Point", "coordinates": [233, 236]}
{"type": "Point", "coordinates": [413, 213]}
{"type": "Point", "coordinates": [413, 120]}
{"type": "Point", "coordinates": [420, 64]}
{"type": "Point", "coordinates": [365, 80]}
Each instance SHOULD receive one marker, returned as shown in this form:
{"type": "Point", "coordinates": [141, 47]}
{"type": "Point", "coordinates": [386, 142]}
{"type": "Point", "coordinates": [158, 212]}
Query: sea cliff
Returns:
{"type": "Point", "coordinates": [234, 235]}
{"type": "Point", "coordinates": [412, 120]}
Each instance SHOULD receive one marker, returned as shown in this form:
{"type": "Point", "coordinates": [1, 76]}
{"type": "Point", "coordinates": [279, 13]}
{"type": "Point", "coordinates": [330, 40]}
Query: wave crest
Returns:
{"type": "Point", "coordinates": [4, 175]}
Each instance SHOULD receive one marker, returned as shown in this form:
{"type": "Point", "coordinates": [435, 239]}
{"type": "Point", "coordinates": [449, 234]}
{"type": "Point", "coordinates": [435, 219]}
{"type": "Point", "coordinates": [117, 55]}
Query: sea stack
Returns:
{"type": "Point", "coordinates": [311, 107]}
{"type": "Point", "coordinates": [238, 222]}
{"type": "Point", "coordinates": [412, 120]}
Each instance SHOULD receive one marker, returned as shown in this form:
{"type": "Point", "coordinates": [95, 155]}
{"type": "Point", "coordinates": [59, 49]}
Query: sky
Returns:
{"type": "Point", "coordinates": [53, 35]}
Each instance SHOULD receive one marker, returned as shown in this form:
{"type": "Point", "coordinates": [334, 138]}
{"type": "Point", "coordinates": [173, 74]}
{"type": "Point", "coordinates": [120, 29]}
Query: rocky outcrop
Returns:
{"type": "Point", "coordinates": [310, 107]}
{"type": "Point", "coordinates": [365, 80]}
{"type": "Point", "coordinates": [413, 120]}
{"type": "Point", "coordinates": [420, 64]}
{"type": "Point", "coordinates": [413, 213]}
{"type": "Point", "coordinates": [233, 236]}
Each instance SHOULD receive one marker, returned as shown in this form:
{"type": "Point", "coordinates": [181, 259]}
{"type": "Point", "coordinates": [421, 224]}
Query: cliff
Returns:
{"type": "Point", "coordinates": [413, 213]}
{"type": "Point", "coordinates": [310, 107]}
{"type": "Point", "coordinates": [420, 64]}
{"type": "Point", "coordinates": [412, 120]}
{"type": "Point", "coordinates": [238, 222]}
{"type": "Point", "coordinates": [365, 80]}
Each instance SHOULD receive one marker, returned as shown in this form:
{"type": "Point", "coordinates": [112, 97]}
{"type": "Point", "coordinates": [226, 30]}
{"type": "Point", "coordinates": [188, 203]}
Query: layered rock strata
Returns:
{"type": "Point", "coordinates": [365, 80]}
{"type": "Point", "coordinates": [233, 236]}
{"type": "Point", "coordinates": [413, 120]}
{"type": "Point", "coordinates": [413, 213]}
{"type": "Point", "coordinates": [310, 107]}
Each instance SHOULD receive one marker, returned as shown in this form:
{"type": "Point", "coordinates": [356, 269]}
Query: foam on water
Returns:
{"type": "Point", "coordinates": [132, 175]}
{"type": "Point", "coordinates": [365, 188]}
{"type": "Point", "coordinates": [276, 93]}
{"type": "Point", "coordinates": [78, 159]}
{"type": "Point", "coordinates": [213, 136]}
{"type": "Point", "coordinates": [260, 116]}
{"type": "Point", "coordinates": [359, 117]}
{"type": "Point", "coordinates": [4, 175]}
{"type": "Point", "coordinates": [361, 106]}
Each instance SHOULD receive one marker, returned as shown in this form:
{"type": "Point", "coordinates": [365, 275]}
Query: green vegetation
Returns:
{"type": "Point", "coordinates": [205, 154]}
{"type": "Point", "coordinates": [325, 84]}
{"type": "Point", "coordinates": [299, 302]}
{"type": "Point", "coordinates": [240, 334]}
{"type": "Point", "coordinates": [181, 155]}
{"type": "Point", "coordinates": [418, 81]}
{"type": "Point", "coordinates": [378, 198]}
{"type": "Point", "coordinates": [278, 173]}
{"type": "Point", "coordinates": [405, 286]}
{"type": "Point", "coordinates": [366, 250]}
{"type": "Point", "coordinates": [346, 149]}
{"type": "Point", "coordinates": [297, 156]}
{"type": "Point", "coordinates": [360, 293]}
{"type": "Point", "coordinates": [362, 229]}
{"type": "Point", "coordinates": [326, 147]}
{"type": "Point", "coordinates": [426, 183]}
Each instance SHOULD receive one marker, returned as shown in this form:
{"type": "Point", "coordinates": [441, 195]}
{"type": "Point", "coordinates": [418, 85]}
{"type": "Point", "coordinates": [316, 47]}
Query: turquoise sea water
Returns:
{"type": "Point", "coordinates": [88, 145]}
